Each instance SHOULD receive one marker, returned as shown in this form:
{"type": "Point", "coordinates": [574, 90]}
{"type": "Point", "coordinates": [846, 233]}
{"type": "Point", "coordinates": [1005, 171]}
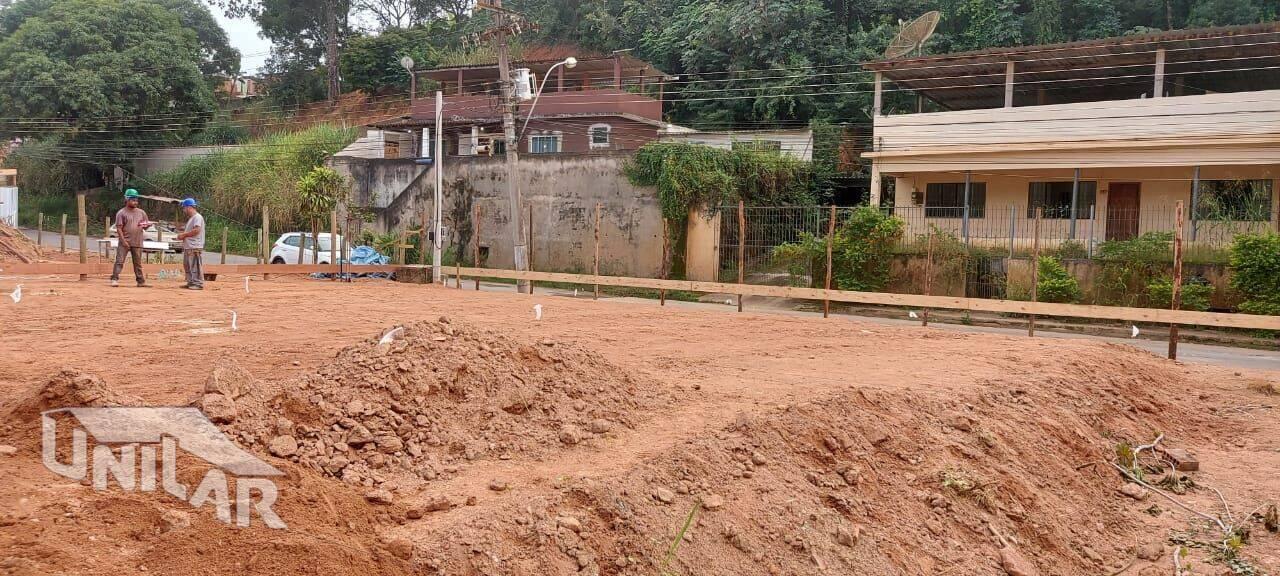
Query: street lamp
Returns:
{"type": "Point", "coordinates": [407, 63]}
{"type": "Point", "coordinates": [569, 62]}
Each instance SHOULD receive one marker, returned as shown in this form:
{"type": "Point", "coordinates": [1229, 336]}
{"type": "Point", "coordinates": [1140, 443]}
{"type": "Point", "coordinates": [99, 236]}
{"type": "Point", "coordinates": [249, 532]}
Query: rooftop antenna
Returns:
{"type": "Point", "coordinates": [912, 35]}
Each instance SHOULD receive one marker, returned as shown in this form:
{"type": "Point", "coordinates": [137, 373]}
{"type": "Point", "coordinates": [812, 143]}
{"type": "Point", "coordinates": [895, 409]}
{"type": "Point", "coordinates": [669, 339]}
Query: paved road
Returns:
{"type": "Point", "coordinates": [51, 240]}
{"type": "Point", "coordinates": [1243, 358]}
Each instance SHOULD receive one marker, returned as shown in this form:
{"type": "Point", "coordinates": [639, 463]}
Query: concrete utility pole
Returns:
{"type": "Point", "coordinates": [437, 243]}
{"type": "Point", "coordinates": [505, 23]}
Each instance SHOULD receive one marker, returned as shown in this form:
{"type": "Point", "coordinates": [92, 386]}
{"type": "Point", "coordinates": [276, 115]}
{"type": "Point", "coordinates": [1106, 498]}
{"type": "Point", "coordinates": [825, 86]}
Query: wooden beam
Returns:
{"type": "Point", "coordinates": [1008, 85]}
{"type": "Point", "coordinates": [1157, 91]}
{"type": "Point", "coordinates": [53, 268]}
{"type": "Point", "coordinates": [1151, 315]}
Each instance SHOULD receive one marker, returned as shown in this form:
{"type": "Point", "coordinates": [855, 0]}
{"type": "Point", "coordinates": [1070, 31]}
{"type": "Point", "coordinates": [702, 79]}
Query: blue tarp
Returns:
{"type": "Point", "coordinates": [363, 255]}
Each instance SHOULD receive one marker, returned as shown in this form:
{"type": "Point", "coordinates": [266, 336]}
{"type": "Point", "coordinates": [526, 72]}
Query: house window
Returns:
{"type": "Point", "coordinates": [946, 200]}
{"type": "Point", "coordinates": [1055, 198]}
{"type": "Point", "coordinates": [1242, 200]}
{"type": "Point", "coordinates": [498, 146]}
{"type": "Point", "coordinates": [544, 144]}
{"type": "Point", "coordinates": [759, 145]}
{"type": "Point", "coordinates": [600, 134]}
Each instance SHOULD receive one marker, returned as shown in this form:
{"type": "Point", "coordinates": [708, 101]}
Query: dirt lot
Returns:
{"type": "Point", "coordinates": [613, 438]}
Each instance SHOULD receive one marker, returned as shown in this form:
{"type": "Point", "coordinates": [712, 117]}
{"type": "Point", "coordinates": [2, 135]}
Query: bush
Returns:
{"type": "Point", "coordinates": [237, 183]}
{"type": "Point", "coordinates": [1255, 272]}
{"type": "Point", "coordinates": [690, 175]}
{"type": "Point", "coordinates": [1197, 294]}
{"type": "Point", "coordinates": [1071, 250]}
{"type": "Point", "coordinates": [861, 254]}
{"type": "Point", "coordinates": [1055, 284]}
{"type": "Point", "coordinates": [1128, 266]}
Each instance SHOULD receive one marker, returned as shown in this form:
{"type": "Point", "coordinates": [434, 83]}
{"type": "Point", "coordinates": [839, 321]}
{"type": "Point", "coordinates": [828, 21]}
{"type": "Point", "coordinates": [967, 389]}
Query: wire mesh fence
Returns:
{"type": "Point", "coordinates": [986, 253]}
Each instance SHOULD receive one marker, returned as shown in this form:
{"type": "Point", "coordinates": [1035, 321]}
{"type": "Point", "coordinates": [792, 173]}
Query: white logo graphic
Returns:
{"type": "Point", "coordinates": [126, 445]}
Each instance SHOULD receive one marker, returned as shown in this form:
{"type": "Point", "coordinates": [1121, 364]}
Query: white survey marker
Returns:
{"type": "Point", "coordinates": [234, 317]}
{"type": "Point", "coordinates": [1135, 331]}
{"type": "Point", "coordinates": [912, 314]}
{"type": "Point", "coordinates": [16, 295]}
{"type": "Point", "coordinates": [537, 312]}
{"type": "Point", "coordinates": [246, 284]}
{"type": "Point", "coordinates": [391, 334]}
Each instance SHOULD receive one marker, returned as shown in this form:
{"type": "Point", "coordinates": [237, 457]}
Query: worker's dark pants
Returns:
{"type": "Point", "coordinates": [136, 252]}
{"type": "Point", "coordinates": [192, 264]}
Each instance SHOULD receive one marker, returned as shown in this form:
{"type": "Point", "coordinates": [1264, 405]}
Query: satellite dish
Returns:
{"type": "Point", "coordinates": [407, 63]}
{"type": "Point", "coordinates": [913, 35]}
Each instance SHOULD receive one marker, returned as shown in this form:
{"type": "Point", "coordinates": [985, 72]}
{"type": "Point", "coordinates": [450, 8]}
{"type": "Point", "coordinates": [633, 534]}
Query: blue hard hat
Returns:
{"type": "Point", "coordinates": [189, 203]}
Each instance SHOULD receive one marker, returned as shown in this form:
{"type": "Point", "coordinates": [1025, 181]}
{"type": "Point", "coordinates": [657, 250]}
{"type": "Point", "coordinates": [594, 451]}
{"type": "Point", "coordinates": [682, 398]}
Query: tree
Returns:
{"type": "Point", "coordinates": [372, 63]}
{"type": "Point", "coordinates": [299, 31]}
{"type": "Point", "coordinates": [1228, 12]}
{"type": "Point", "coordinates": [1044, 22]}
{"type": "Point", "coordinates": [92, 63]}
{"type": "Point", "coordinates": [987, 23]}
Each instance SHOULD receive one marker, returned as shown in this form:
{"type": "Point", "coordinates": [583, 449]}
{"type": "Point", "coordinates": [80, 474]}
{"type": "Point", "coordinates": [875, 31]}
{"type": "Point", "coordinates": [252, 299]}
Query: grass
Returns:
{"type": "Point", "coordinates": [1264, 387]}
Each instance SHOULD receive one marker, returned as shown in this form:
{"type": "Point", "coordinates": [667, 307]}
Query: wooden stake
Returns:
{"type": "Point", "coordinates": [422, 241]}
{"type": "Point", "coordinates": [222, 259]}
{"type": "Point", "coordinates": [265, 244]}
{"type": "Point", "coordinates": [596, 267]}
{"type": "Point", "coordinates": [1177, 277]}
{"type": "Point", "coordinates": [928, 277]}
{"type": "Point", "coordinates": [666, 247]}
{"type": "Point", "coordinates": [831, 238]}
{"type": "Point", "coordinates": [62, 240]}
{"type": "Point", "coordinates": [259, 245]}
{"type": "Point", "coordinates": [478, 263]}
{"type": "Point", "coordinates": [302, 247]}
{"type": "Point", "coordinates": [529, 243]}
{"type": "Point", "coordinates": [82, 226]}
{"type": "Point", "coordinates": [742, 247]}
{"type": "Point", "coordinates": [1035, 271]}
{"type": "Point", "coordinates": [40, 230]}
{"type": "Point", "coordinates": [315, 240]}
{"type": "Point", "coordinates": [334, 257]}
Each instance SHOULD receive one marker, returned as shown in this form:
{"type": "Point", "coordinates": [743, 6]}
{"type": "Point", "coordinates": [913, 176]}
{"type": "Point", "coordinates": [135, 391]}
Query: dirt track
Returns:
{"type": "Point", "coordinates": [738, 383]}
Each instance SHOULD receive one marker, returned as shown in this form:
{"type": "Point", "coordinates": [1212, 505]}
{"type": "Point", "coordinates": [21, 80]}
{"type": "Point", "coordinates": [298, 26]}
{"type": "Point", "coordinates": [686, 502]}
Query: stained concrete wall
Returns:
{"type": "Point", "coordinates": [561, 189]}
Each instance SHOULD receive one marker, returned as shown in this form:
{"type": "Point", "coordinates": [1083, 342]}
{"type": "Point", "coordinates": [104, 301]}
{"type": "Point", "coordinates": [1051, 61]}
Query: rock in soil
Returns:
{"type": "Point", "coordinates": [1015, 564]}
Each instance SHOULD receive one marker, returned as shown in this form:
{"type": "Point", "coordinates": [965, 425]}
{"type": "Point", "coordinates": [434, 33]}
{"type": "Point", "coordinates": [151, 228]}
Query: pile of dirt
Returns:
{"type": "Point", "coordinates": [1011, 478]}
{"type": "Point", "coordinates": [435, 396]}
{"type": "Point", "coordinates": [16, 247]}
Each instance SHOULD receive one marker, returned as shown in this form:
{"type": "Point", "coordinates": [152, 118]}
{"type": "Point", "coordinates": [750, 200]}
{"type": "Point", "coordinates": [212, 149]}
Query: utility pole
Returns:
{"type": "Point", "coordinates": [505, 23]}
{"type": "Point", "coordinates": [331, 48]}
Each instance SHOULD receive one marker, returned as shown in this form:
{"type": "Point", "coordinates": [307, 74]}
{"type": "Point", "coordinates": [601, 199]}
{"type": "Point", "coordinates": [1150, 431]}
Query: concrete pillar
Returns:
{"type": "Point", "coordinates": [877, 104]}
{"type": "Point", "coordinates": [875, 183]}
{"type": "Point", "coordinates": [1157, 91]}
{"type": "Point", "coordinates": [702, 245]}
{"type": "Point", "coordinates": [1008, 85]}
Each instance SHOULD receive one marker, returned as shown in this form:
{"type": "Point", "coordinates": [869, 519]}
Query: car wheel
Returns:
{"type": "Point", "coordinates": [278, 260]}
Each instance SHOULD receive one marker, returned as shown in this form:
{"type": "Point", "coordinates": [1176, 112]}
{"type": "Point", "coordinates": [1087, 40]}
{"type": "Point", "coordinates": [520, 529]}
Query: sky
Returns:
{"type": "Point", "coordinates": [243, 33]}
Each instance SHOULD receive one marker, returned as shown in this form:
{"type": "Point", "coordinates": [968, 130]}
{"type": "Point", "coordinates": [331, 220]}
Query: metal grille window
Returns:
{"type": "Point", "coordinates": [544, 144]}
{"type": "Point", "coordinates": [1055, 198]}
{"type": "Point", "coordinates": [1241, 200]}
{"type": "Point", "coordinates": [946, 200]}
{"type": "Point", "coordinates": [600, 135]}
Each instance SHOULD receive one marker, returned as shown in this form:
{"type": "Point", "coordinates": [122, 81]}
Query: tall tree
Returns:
{"type": "Point", "coordinates": [1044, 22]}
{"type": "Point", "coordinates": [297, 29]}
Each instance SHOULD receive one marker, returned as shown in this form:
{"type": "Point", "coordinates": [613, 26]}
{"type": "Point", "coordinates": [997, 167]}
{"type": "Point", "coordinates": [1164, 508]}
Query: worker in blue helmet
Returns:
{"type": "Point", "coordinates": [192, 237]}
{"type": "Point", "coordinates": [131, 222]}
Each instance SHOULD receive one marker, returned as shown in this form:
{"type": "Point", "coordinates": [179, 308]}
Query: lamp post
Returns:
{"type": "Point", "coordinates": [407, 63]}
{"type": "Point", "coordinates": [569, 62]}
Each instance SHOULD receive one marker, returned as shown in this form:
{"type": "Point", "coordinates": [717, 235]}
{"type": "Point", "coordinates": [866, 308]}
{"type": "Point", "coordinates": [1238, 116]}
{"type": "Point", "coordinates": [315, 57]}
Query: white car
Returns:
{"type": "Point", "coordinates": [285, 250]}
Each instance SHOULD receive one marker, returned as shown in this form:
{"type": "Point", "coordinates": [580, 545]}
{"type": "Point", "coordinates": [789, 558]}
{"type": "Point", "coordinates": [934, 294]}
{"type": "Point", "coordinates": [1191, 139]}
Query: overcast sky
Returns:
{"type": "Point", "coordinates": [243, 34]}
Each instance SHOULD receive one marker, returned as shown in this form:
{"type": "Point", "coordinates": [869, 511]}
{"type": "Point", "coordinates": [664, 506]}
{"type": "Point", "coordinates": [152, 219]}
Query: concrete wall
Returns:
{"type": "Point", "coordinates": [169, 158]}
{"type": "Point", "coordinates": [562, 190]}
{"type": "Point", "coordinates": [795, 143]}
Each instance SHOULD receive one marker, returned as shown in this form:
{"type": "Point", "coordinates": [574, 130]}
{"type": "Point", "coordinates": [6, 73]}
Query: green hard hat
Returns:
{"type": "Point", "coordinates": [130, 193]}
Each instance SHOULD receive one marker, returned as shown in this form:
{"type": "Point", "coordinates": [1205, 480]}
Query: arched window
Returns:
{"type": "Point", "coordinates": [600, 135]}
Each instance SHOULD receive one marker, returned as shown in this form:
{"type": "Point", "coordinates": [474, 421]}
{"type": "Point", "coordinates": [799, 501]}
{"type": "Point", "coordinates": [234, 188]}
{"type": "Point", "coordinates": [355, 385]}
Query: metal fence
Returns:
{"type": "Point", "coordinates": [972, 252]}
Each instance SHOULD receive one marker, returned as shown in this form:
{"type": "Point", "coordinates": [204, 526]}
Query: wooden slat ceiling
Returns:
{"type": "Point", "coordinates": [1225, 59]}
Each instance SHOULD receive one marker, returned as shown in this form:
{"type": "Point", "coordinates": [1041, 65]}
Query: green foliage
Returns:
{"type": "Point", "coordinates": [95, 60]}
{"type": "Point", "coordinates": [1055, 284]}
{"type": "Point", "coordinates": [1128, 266]}
{"type": "Point", "coordinates": [691, 175]}
{"type": "Point", "coordinates": [860, 256]}
{"type": "Point", "coordinates": [1071, 250]}
{"type": "Point", "coordinates": [1255, 272]}
{"type": "Point", "coordinates": [267, 172]}
{"type": "Point", "coordinates": [372, 63]}
{"type": "Point", "coordinates": [321, 189]}
{"type": "Point", "coordinates": [221, 132]}
{"type": "Point", "coordinates": [1197, 294]}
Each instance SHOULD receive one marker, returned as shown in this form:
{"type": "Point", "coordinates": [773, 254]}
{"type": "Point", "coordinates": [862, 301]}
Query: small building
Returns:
{"type": "Point", "coordinates": [239, 87]}
{"type": "Point", "coordinates": [607, 102]}
{"type": "Point", "coordinates": [9, 196]}
{"type": "Point", "coordinates": [797, 143]}
{"type": "Point", "coordinates": [1101, 137]}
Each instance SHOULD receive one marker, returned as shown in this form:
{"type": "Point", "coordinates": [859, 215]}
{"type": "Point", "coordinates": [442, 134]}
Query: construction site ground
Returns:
{"type": "Point", "coordinates": [661, 440]}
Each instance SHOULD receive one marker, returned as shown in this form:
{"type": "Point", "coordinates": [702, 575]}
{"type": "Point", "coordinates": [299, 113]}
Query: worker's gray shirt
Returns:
{"type": "Point", "coordinates": [194, 242]}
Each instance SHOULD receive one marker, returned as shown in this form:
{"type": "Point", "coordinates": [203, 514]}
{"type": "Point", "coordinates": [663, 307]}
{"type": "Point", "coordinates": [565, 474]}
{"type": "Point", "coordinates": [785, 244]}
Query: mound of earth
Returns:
{"type": "Point", "coordinates": [15, 246]}
{"type": "Point", "coordinates": [1010, 479]}
{"type": "Point", "coordinates": [437, 395]}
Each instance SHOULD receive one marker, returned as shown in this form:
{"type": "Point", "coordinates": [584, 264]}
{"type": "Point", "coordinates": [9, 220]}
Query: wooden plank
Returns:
{"type": "Point", "coordinates": [1177, 279]}
{"type": "Point", "coordinates": [54, 268]}
{"type": "Point", "coordinates": [1149, 315]}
